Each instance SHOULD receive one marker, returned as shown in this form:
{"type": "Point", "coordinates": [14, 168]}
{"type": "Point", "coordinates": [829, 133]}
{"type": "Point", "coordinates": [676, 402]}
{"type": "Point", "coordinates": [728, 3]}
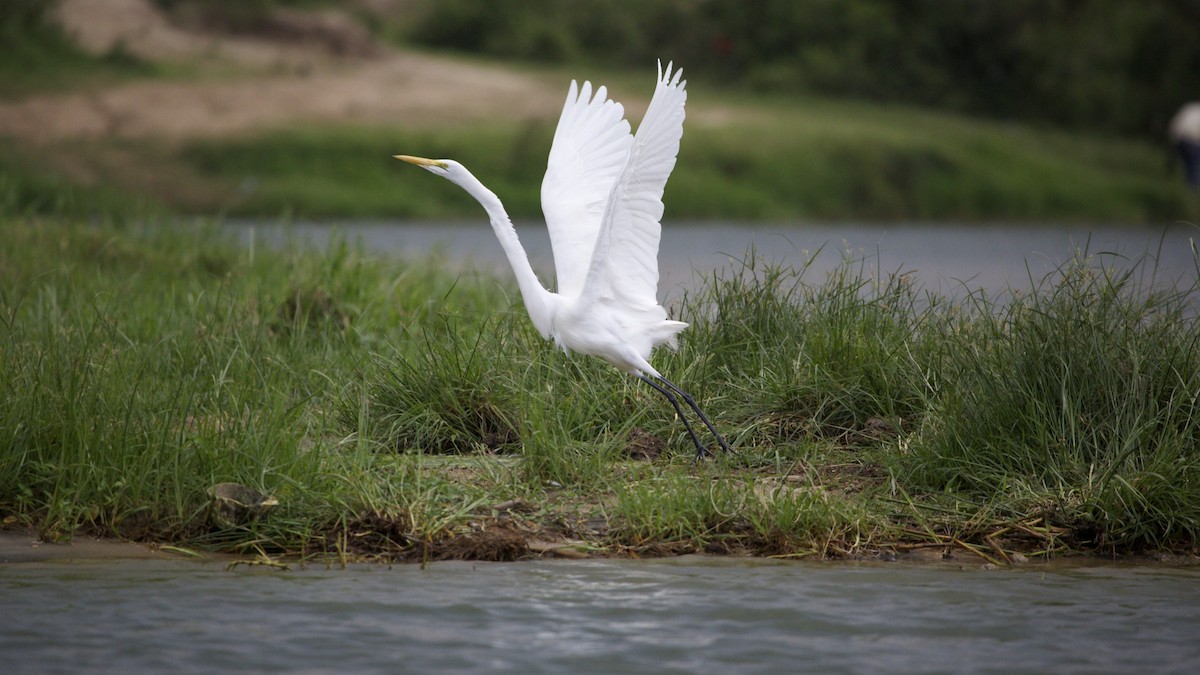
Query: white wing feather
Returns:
{"type": "Point", "coordinates": [590, 146]}
{"type": "Point", "coordinates": [624, 266]}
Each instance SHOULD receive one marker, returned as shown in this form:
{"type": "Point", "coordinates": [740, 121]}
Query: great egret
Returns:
{"type": "Point", "coordinates": [602, 198]}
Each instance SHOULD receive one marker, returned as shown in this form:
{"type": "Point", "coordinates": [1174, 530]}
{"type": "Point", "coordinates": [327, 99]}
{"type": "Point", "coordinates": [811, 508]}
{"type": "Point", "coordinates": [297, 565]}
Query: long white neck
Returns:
{"type": "Point", "coordinates": [538, 300]}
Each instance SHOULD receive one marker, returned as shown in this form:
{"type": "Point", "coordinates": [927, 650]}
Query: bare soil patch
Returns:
{"type": "Point", "coordinates": [300, 71]}
{"type": "Point", "coordinates": [17, 546]}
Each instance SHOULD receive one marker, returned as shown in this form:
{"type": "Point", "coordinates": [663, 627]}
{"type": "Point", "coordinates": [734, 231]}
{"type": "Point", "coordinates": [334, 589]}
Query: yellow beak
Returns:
{"type": "Point", "coordinates": [419, 161]}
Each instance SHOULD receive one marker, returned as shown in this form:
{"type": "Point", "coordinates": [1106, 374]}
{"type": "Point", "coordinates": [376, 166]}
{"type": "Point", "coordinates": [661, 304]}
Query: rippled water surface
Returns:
{"type": "Point", "coordinates": [677, 615]}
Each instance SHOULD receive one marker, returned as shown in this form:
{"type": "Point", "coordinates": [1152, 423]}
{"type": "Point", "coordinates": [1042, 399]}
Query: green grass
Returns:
{"type": "Point", "coordinates": [818, 159]}
{"type": "Point", "coordinates": [774, 159]}
{"type": "Point", "coordinates": [1079, 398]}
{"type": "Point", "coordinates": [28, 190]}
{"type": "Point", "coordinates": [395, 410]}
{"type": "Point", "coordinates": [162, 361]}
{"type": "Point", "coordinates": [778, 160]}
{"type": "Point", "coordinates": [350, 172]}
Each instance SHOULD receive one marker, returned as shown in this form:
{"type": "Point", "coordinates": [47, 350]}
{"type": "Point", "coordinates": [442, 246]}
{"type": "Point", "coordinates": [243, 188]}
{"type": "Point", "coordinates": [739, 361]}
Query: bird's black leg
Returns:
{"type": "Point", "coordinates": [700, 449]}
{"type": "Point", "coordinates": [692, 402]}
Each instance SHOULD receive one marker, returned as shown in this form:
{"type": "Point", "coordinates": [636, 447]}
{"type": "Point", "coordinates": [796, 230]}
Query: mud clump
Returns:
{"type": "Point", "coordinates": [642, 445]}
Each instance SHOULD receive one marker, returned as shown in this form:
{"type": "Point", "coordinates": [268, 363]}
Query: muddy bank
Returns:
{"type": "Point", "coordinates": [22, 546]}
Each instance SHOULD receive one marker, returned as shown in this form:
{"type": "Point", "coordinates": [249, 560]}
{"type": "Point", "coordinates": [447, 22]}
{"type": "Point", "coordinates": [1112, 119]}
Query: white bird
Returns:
{"type": "Point", "coordinates": [602, 199]}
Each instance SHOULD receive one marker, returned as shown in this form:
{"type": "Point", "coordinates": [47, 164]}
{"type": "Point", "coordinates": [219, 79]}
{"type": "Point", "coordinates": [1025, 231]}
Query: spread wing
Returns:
{"type": "Point", "coordinates": [624, 266]}
{"type": "Point", "coordinates": [589, 150]}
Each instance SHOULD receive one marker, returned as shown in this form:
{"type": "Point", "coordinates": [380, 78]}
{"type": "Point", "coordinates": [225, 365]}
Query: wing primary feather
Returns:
{"type": "Point", "coordinates": [590, 144]}
{"type": "Point", "coordinates": [624, 265]}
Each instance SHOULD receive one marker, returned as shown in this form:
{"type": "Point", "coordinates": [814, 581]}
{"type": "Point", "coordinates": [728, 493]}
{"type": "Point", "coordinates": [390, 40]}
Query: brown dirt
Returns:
{"type": "Point", "coordinates": [18, 546]}
{"type": "Point", "coordinates": [295, 68]}
{"type": "Point", "coordinates": [644, 445]}
{"type": "Point", "coordinates": [247, 82]}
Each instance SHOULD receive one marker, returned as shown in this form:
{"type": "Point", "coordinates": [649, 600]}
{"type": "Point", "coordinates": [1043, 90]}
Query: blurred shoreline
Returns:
{"type": "Point", "coordinates": [298, 118]}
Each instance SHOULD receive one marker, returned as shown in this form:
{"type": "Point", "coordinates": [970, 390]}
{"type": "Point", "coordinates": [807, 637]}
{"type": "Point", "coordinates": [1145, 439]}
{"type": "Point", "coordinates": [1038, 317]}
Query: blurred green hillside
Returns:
{"type": "Point", "coordinates": [1106, 65]}
{"type": "Point", "coordinates": [863, 109]}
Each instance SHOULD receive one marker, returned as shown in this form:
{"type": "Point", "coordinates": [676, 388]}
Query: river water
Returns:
{"type": "Point", "coordinates": [946, 258]}
{"type": "Point", "coordinates": [685, 615]}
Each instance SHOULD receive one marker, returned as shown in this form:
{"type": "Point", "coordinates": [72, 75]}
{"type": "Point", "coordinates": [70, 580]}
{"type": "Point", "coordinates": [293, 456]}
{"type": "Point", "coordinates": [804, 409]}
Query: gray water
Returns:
{"type": "Point", "coordinates": [945, 258]}
{"type": "Point", "coordinates": [690, 614]}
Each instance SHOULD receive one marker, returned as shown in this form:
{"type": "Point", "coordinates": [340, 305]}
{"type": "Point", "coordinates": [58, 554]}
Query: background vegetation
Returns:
{"type": "Point", "coordinates": [1100, 65]}
{"type": "Point", "coordinates": [818, 160]}
{"type": "Point", "coordinates": [35, 54]}
{"type": "Point", "coordinates": [1105, 65]}
{"type": "Point", "coordinates": [819, 109]}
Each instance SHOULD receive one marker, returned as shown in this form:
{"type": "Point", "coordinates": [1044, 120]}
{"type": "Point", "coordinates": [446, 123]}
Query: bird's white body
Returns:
{"type": "Point", "coordinates": [602, 198]}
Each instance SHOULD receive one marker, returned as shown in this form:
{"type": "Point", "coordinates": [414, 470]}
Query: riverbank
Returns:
{"type": "Point", "coordinates": [190, 119]}
{"type": "Point", "coordinates": [23, 546]}
{"type": "Point", "coordinates": [393, 411]}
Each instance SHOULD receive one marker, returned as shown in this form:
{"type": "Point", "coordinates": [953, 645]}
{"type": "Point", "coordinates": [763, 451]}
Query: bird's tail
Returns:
{"type": "Point", "coordinates": [666, 332]}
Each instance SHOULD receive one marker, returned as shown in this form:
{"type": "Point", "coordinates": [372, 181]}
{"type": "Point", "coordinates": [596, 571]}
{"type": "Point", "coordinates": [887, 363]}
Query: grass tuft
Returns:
{"type": "Point", "coordinates": [807, 359]}
{"type": "Point", "coordinates": [446, 395]}
{"type": "Point", "coordinates": [1077, 400]}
